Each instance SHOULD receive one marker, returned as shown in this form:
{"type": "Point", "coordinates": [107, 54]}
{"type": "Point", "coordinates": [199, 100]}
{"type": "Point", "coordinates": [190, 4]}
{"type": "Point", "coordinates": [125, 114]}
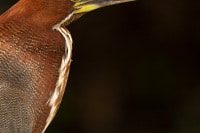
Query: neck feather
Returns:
{"type": "Point", "coordinates": [39, 12]}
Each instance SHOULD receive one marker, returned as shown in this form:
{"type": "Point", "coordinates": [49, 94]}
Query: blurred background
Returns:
{"type": "Point", "coordinates": [135, 69]}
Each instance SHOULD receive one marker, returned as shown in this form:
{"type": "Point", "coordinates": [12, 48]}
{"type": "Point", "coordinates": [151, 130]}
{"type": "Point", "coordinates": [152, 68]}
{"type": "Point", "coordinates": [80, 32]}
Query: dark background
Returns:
{"type": "Point", "coordinates": [135, 69]}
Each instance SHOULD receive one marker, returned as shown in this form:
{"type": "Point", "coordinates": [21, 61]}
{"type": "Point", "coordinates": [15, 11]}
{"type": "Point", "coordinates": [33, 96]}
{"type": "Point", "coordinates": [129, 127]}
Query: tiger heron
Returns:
{"type": "Point", "coordinates": [35, 57]}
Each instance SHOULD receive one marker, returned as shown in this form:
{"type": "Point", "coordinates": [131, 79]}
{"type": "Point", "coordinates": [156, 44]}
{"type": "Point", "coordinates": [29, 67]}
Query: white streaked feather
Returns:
{"type": "Point", "coordinates": [63, 71]}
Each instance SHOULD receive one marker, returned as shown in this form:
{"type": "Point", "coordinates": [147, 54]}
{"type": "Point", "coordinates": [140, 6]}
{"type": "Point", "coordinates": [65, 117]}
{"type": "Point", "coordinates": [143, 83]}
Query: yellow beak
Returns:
{"type": "Point", "coordinates": [83, 6]}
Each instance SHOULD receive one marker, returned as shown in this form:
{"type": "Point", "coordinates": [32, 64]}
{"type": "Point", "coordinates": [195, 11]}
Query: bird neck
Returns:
{"type": "Point", "coordinates": [39, 12]}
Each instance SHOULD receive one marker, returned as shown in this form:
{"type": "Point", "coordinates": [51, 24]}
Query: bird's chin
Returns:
{"type": "Point", "coordinates": [73, 18]}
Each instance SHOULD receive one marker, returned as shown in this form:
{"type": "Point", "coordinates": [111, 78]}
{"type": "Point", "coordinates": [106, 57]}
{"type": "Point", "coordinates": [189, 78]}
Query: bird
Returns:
{"type": "Point", "coordinates": [35, 58]}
